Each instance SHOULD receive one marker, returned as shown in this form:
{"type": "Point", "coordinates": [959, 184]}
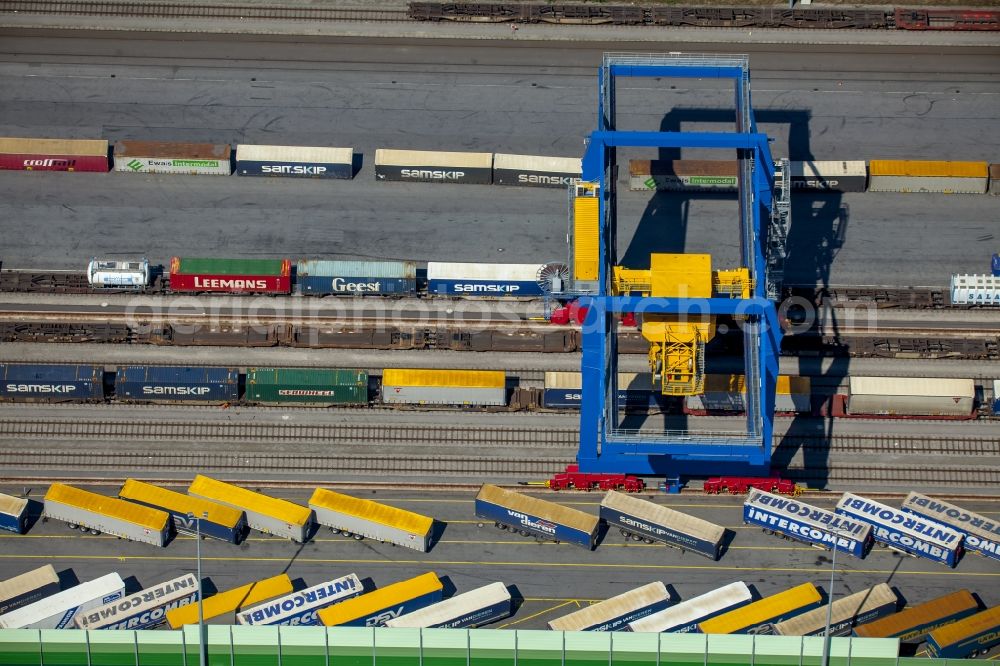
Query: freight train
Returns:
{"type": "Point", "coordinates": [867, 397]}
{"type": "Point", "coordinates": [900, 18]}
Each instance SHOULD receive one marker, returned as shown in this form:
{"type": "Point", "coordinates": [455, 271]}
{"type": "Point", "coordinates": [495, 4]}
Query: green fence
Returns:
{"type": "Point", "coordinates": [345, 646]}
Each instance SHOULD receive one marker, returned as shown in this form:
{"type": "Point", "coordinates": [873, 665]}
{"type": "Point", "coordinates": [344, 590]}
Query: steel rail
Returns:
{"type": "Point", "coordinates": [168, 10]}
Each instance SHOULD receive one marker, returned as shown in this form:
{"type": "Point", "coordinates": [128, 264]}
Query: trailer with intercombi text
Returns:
{"type": "Point", "coordinates": [642, 520]}
{"type": "Point", "coordinates": [811, 525]}
{"type": "Point", "coordinates": [144, 609]}
{"type": "Point", "coordinates": [530, 516]}
{"type": "Point", "coordinates": [300, 609]}
{"type": "Point", "coordinates": [903, 531]}
{"type": "Point", "coordinates": [981, 534]}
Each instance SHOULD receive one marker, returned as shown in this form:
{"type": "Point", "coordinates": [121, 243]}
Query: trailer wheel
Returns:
{"type": "Point", "coordinates": [500, 526]}
{"type": "Point", "coordinates": [480, 525]}
{"type": "Point", "coordinates": [524, 533]}
{"type": "Point", "coordinates": [625, 533]}
{"type": "Point", "coordinates": [636, 537]}
{"type": "Point", "coordinates": [647, 540]}
{"type": "Point", "coordinates": [72, 526]}
{"type": "Point", "coordinates": [96, 532]}
{"type": "Point", "coordinates": [357, 537]}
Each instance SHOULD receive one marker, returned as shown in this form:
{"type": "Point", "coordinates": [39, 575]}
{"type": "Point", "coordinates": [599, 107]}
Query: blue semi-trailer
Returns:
{"type": "Point", "coordinates": [530, 516]}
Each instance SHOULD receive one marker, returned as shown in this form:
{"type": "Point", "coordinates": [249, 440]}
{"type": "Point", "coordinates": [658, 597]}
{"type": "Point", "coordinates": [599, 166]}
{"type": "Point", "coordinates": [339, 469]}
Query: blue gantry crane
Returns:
{"type": "Point", "coordinates": [677, 298]}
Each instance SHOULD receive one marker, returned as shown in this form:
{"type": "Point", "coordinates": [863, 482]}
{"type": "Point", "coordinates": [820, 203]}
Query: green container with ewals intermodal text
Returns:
{"type": "Point", "coordinates": [317, 387]}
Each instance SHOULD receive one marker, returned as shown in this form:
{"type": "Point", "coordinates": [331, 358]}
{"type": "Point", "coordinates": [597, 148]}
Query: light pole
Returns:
{"type": "Point", "coordinates": [829, 607]}
{"type": "Point", "coordinates": [201, 616]}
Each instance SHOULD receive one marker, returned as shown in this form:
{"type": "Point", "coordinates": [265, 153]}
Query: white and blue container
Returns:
{"type": "Point", "coordinates": [13, 514]}
{"type": "Point", "coordinates": [299, 609]}
{"type": "Point", "coordinates": [148, 383]}
{"type": "Point", "coordinates": [356, 278]}
{"type": "Point", "coordinates": [484, 280]}
{"type": "Point", "coordinates": [475, 608]}
{"type": "Point", "coordinates": [809, 524]}
{"type": "Point", "coordinates": [294, 161]}
{"type": "Point", "coordinates": [24, 382]}
{"type": "Point", "coordinates": [981, 534]}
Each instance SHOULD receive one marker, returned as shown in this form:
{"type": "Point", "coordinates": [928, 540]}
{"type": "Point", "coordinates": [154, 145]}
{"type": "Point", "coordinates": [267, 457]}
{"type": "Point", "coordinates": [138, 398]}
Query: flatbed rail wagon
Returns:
{"type": "Point", "coordinates": [642, 520]}
{"type": "Point", "coordinates": [530, 516]}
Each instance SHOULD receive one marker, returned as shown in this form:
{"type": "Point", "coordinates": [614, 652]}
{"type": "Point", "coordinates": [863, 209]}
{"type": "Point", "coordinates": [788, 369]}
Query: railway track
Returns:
{"type": "Point", "coordinates": [170, 10]}
{"type": "Point", "coordinates": [342, 434]}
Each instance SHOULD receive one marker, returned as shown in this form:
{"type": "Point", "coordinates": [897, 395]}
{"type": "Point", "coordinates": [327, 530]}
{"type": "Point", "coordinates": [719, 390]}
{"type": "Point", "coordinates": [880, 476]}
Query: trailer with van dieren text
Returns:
{"type": "Point", "coordinates": [530, 516]}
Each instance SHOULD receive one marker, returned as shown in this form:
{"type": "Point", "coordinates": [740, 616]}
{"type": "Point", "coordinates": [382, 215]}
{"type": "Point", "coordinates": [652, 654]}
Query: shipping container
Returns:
{"type": "Point", "coordinates": [118, 274]}
{"type": "Point", "coordinates": [922, 176]}
{"type": "Point", "coordinates": [266, 514]}
{"type": "Point", "coordinates": [108, 515]}
{"type": "Point", "coordinates": [912, 624]}
{"type": "Point", "coordinates": [995, 179]}
{"type": "Point", "coordinates": [899, 531]}
{"type": "Point", "coordinates": [58, 611]}
{"type": "Point", "coordinates": [27, 588]}
{"type": "Point", "coordinates": [975, 289]}
{"type": "Point", "coordinates": [996, 397]}
{"type": "Point", "coordinates": [144, 609]}
{"type": "Point", "coordinates": [536, 170]}
{"type": "Point", "coordinates": [530, 516]}
{"type": "Point", "coordinates": [564, 390]}
{"type": "Point", "coordinates": [615, 613]}
{"type": "Point", "coordinates": [685, 616]}
{"type": "Point", "coordinates": [177, 384]}
{"type": "Point", "coordinates": [642, 520]}
{"type": "Point", "coordinates": [444, 387]}
{"type": "Point", "coordinates": [263, 276]}
{"type": "Point", "coordinates": [299, 609]}
{"type": "Point", "coordinates": [294, 161]}
{"type": "Point", "coordinates": [727, 393]}
{"type": "Point", "coordinates": [376, 608]}
{"type": "Point", "coordinates": [829, 176]}
{"type": "Point", "coordinates": [490, 280]}
{"type": "Point", "coordinates": [356, 278]}
{"type": "Point", "coordinates": [585, 252]}
{"type": "Point", "coordinates": [847, 613]}
{"type": "Point", "coordinates": [759, 617]}
{"type": "Point", "coordinates": [968, 638]}
{"type": "Point", "coordinates": [433, 167]}
{"type": "Point", "coordinates": [811, 525]}
{"type": "Point", "coordinates": [372, 520]}
{"type": "Point", "coordinates": [164, 157]}
{"type": "Point", "coordinates": [13, 514]}
{"type": "Point", "coordinates": [468, 610]}
{"type": "Point", "coordinates": [981, 535]}
{"type": "Point", "coordinates": [217, 521]}
{"type": "Point", "coordinates": [231, 601]}
{"type": "Point", "coordinates": [23, 382]}
{"type": "Point", "coordinates": [683, 175]}
{"type": "Point", "coordinates": [54, 154]}
{"type": "Point", "coordinates": [911, 396]}
{"type": "Point", "coordinates": [314, 387]}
